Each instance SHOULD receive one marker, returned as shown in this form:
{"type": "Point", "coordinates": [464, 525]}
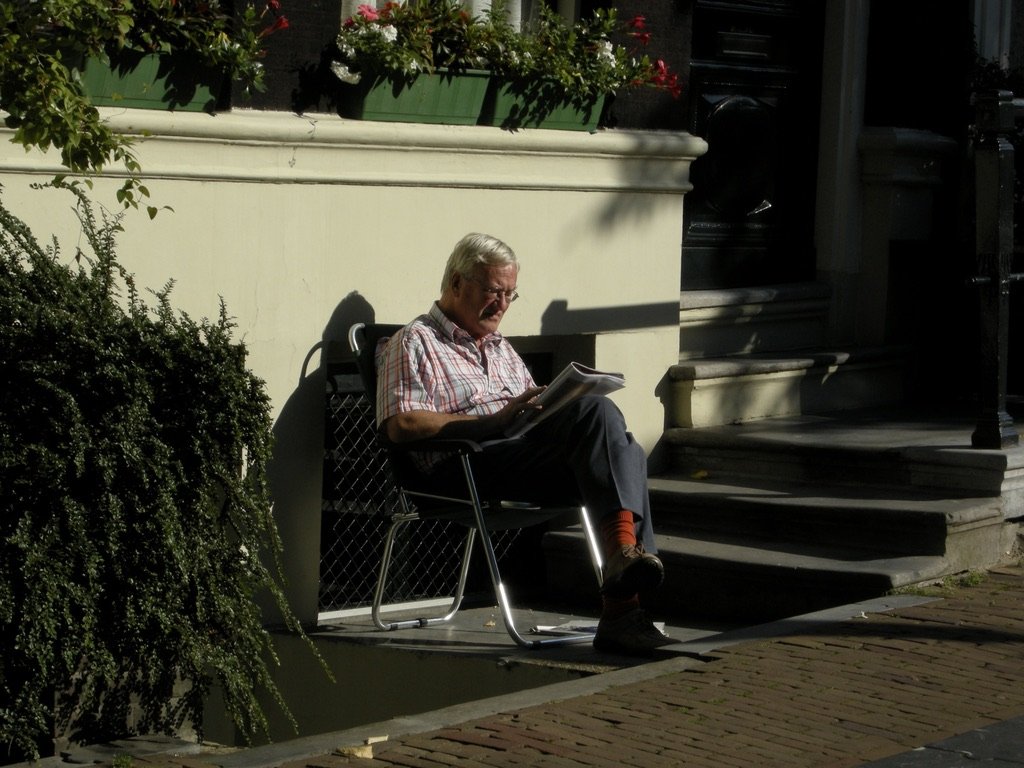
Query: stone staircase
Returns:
{"type": "Point", "coordinates": [796, 480]}
{"type": "Point", "coordinates": [790, 515]}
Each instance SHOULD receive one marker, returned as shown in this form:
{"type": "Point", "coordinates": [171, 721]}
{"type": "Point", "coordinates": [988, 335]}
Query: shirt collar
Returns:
{"type": "Point", "coordinates": [458, 334]}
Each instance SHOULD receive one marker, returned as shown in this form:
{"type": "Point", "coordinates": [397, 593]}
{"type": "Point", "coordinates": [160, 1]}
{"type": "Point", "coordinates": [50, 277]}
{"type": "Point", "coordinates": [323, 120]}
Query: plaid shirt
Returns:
{"type": "Point", "coordinates": [433, 365]}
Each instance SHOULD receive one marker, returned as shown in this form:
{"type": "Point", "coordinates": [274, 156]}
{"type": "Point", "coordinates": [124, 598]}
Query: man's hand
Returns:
{"type": "Point", "coordinates": [422, 425]}
{"type": "Point", "coordinates": [517, 407]}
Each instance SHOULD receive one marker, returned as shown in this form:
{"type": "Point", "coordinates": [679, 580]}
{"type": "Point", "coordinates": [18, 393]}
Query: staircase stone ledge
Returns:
{"type": "Point", "coordinates": [767, 363]}
{"type": "Point", "coordinates": [728, 297]}
{"type": "Point", "coordinates": [668, 490]}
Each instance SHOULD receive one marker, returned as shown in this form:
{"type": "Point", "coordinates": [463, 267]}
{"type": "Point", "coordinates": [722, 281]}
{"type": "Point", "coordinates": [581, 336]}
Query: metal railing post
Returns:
{"type": "Point", "coordinates": [994, 180]}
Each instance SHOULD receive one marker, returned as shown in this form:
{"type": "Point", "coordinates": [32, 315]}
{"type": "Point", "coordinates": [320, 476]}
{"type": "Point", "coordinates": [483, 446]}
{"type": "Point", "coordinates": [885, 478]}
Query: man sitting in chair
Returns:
{"type": "Point", "coordinates": [450, 373]}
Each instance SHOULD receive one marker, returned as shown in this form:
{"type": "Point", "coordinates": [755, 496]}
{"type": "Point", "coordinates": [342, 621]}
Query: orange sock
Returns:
{"type": "Point", "coordinates": [618, 530]}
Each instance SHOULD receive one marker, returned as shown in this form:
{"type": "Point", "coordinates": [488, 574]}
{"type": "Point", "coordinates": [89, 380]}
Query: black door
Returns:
{"type": "Point", "coordinates": [751, 71]}
{"type": "Point", "coordinates": [753, 94]}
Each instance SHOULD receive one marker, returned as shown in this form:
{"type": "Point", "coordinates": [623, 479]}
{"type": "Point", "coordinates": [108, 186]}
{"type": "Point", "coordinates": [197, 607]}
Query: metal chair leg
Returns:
{"type": "Point", "coordinates": [500, 593]}
{"type": "Point", "coordinates": [398, 522]}
{"type": "Point", "coordinates": [596, 553]}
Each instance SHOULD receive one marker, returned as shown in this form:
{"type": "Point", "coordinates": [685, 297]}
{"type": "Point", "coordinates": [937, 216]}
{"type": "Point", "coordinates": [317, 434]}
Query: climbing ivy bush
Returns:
{"type": "Point", "coordinates": [135, 518]}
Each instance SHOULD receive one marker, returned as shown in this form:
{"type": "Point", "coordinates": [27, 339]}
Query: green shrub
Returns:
{"type": "Point", "coordinates": [135, 518]}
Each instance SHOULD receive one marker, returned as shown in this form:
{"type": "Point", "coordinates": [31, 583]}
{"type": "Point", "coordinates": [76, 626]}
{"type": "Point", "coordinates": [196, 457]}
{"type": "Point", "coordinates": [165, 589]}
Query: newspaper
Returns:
{"type": "Point", "coordinates": [574, 381]}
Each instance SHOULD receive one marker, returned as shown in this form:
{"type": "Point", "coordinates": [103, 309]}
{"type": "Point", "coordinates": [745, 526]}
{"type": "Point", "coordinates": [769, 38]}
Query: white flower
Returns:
{"type": "Point", "coordinates": [389, 33]}
{"type": "Point", "coordinates": [606, 51]}
{"type": "Point", "coordinates": [348, 51]}
{"type": "Point", "coordinates": [343, 73]}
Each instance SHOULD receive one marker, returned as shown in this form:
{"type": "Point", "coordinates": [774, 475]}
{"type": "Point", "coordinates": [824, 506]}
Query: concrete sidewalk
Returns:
{"type": "Point", "coordinates": [890, 685]}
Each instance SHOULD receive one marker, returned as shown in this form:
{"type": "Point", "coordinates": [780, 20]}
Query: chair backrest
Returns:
{"type": "Point", "coordinates": [363, 338]}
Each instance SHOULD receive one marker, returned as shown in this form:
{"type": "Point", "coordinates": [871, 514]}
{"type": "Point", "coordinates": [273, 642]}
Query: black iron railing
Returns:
{"type": "Point", "coordinates": [994, 184]}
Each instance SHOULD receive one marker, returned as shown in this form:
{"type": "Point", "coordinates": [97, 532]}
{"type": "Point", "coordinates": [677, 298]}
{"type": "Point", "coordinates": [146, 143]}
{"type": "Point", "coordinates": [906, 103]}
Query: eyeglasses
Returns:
{"type": "Point", "coordinates": [496, 293]}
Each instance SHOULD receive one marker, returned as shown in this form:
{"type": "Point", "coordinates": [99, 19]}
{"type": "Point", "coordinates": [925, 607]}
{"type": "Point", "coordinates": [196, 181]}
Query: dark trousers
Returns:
{"type": "Point", "coordinates": [582, 454]}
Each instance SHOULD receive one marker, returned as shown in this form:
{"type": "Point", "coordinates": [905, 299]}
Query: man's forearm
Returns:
{"type": "Point", "coordinates": [423, 425]}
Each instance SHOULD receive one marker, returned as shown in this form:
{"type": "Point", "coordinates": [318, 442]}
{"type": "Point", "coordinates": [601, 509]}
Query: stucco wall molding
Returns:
{"type": "Point", "coordinates": [277, 147]}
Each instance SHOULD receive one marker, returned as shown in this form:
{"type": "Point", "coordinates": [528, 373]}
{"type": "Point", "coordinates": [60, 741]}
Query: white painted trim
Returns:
{"type": "Point", "coordinates": [325, 149]}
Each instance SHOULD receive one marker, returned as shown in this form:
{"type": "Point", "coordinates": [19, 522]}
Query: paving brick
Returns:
{"type": "Point", "coordinates": [837, 695]}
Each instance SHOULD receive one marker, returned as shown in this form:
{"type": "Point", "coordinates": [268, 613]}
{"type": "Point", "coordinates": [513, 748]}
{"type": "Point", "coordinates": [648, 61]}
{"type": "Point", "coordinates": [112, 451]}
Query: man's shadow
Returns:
{"type": "Point", "coordinates": [295, 470]}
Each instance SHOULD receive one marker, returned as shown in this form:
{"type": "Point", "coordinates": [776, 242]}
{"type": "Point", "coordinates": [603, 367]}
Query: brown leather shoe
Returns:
{"type": "Point", "coordinates": [632, 634]}
{"type": "Point", "coordinates": [631, 571]}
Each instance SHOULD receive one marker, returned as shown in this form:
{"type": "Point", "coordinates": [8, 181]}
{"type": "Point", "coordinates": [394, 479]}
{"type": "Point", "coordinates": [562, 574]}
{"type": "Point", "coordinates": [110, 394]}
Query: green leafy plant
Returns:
{"type": "Point", "coordinates": [582, 60]}
{"type": "Point", "coordinates": [571, 61]}
{"type": "Point", "coordinates": [135, 518]}
{"type": "Point", "coordinates": [45, 43]}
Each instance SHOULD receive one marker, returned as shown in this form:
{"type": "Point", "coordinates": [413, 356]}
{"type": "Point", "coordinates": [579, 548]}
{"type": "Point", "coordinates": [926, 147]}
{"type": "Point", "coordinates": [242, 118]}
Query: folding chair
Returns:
{"type": "Point", "coordinates": [480, 518]}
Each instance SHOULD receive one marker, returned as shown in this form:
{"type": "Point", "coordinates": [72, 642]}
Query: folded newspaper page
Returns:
{"type": "Point", "coordinates": [574, 381]}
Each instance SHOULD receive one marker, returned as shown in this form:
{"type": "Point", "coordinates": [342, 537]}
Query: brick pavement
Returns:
{"type": "Point", "coordinates": [839, 694]}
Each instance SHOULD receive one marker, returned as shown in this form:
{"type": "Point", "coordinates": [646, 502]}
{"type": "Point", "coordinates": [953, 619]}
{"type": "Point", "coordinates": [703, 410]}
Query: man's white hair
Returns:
{"type": "Point", "coordinates": [474, 250]}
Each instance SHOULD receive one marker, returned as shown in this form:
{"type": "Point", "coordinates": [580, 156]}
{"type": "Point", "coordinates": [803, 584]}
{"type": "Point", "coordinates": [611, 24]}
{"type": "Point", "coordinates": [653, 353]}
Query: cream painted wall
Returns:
{"type": "Point", "coordinates": [304, 225]}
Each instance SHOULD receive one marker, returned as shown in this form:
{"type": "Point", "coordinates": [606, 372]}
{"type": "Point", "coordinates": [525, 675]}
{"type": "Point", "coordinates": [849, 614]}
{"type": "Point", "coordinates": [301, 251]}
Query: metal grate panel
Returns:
{"type": "Point", "coordinates": [359, 496]}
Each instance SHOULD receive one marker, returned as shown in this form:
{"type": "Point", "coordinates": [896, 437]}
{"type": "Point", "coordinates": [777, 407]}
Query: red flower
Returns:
{"type": "Point", "coordinates": [368, 12]}
{"type": "Point", "coordinates": [274, 5]}
{"type": "Point", "coordinates": [280, 22]}
{"type": "Point", "coordinates": [642, 37]}
{"type": "Point", "coordinates": [638, 22]}
{"type": "Point", "coordinates": [666, 80]}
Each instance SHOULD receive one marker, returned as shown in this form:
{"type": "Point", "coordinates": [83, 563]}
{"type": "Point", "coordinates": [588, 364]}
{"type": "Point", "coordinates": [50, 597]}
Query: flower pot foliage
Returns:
{"type": "Point", "coordinates": [402, 40]}
{"type": "Point", "coordinates": [135, 515]}
{"type": "Point", "coordinates": [577, 62]}
{"type": "Point", "coordinates": [581, 61]}
{"type": "Point", "coordinates": [45, 44]}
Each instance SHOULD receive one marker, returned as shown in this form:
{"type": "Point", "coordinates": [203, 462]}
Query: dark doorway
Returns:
{"type": "Point", "coordinates": [754, 95]}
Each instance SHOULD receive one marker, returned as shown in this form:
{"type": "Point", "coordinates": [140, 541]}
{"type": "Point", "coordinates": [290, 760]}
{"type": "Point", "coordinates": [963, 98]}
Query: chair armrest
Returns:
{"type": "Point", "coordinates": [434, 445]}
{"type": "Point", "coordinates": [447, 445]}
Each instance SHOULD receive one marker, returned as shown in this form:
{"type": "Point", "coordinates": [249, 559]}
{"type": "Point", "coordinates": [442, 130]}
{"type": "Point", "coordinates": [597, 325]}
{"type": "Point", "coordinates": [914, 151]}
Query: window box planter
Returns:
{"type": "Point", "coordinates": [431, 97]}
{"type": "Point", "coordinates": [512, 106]}
{"type": "Point", "coordinates": [154, 81]}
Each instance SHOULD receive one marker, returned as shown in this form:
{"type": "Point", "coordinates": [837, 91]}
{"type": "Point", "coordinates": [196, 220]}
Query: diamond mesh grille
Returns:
{"type": "Point", "coordinates": [359, 497]}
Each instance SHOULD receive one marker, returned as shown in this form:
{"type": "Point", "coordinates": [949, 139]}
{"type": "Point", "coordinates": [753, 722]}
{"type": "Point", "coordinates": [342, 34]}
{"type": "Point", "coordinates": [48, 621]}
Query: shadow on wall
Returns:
{"type": "Point", "coordinates": [296, 468]}
{"type": "Point", "coordinates": [571, 326]}
{"type": "Point", "coordinates": [559, 319]}
{"type": "Point", "coordinates": [648, 180]}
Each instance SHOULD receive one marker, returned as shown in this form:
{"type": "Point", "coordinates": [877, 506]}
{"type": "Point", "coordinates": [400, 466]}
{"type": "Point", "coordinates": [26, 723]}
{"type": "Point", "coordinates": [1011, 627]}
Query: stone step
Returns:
{"type": "Point", "coordinates": [738, 321]}
{"type": "Point", "coordinates": [783, 516]}
{"type": "Point", "coordinates": [875, 521]}
{"type": "Point", "coordinates": [740, 388]}
{"type": "Point", "coordinates": [929, 455]}
{"type": "Point", "coordinates": [744, 579]}
{"type": "Point", "coordinates": [760, 552]}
